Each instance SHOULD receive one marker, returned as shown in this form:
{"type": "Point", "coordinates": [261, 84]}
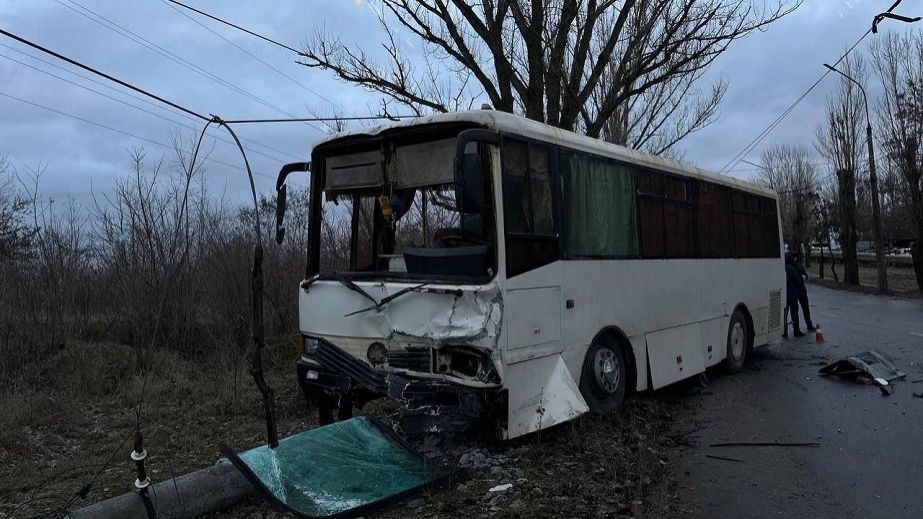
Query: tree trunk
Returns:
{"type": "Point", "coordinates": [917, 253]}
{"type": "Point", "coordinates": [820, 266]}
{"type": "Point", "coordinates": [848, 232]}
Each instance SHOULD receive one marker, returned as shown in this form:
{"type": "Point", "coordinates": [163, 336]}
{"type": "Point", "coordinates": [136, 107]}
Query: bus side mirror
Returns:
{"type": "Point", "coordinates": [468, 175]}
{"type": "Point", "coordinates": [282, 194]}
{"type": "Point", "coordinates": [472, 183]}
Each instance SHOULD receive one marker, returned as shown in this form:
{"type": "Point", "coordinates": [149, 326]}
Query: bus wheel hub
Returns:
{"type": "Point", "coordinates": [607, 370]}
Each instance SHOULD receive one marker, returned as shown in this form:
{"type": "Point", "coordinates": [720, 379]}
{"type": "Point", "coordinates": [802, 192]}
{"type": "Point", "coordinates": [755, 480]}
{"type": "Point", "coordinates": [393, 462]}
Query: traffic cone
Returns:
{"type": "Point", "coordinates": [818, 335]}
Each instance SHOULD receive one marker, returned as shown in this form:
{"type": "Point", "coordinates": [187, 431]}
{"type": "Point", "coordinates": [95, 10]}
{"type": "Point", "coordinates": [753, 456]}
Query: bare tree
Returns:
{"type": "Point", "coordinates": [899, 62]}
{"type": "Point", "coordinates": [790, 171]}
{"type": "Point", "coordinates": [15, 234]}
{"type": "Point", "coordinates": [841, 141]}
{"type": "Point", "coordinates": [825, 215]}
{"type": "Point", "coordinates": [569, 63]}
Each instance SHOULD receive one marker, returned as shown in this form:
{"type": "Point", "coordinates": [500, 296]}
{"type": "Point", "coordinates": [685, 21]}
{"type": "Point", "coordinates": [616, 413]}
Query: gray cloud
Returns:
{"type": "Point", "coordinates": [766, 71]}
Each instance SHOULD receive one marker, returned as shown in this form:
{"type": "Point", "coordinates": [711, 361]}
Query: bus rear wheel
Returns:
{"type": "Point", "coordinates": [738, 342]}
{"type": "Point", "coordinates": [604, 376]}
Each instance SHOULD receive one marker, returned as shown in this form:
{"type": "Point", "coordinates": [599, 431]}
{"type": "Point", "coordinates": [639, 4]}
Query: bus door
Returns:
{"type": "Point", "coordinates": [532, 300]}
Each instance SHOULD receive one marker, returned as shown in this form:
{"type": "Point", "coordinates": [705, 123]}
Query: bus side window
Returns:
{"type": "Point", "coordinates": [650, 207]}
{"type": "Point", "coordinates": [515, 188]}
{"type": "Point", "coordinates": [540, 185]}
{"type": "Point", "coordinates": [527, 206]}
{"type": "Point", "coordinates": [771, 247]}
{"type": "Point", "coordinates": [677, 213]}
{"type": "Point", "coordinates": [600, 218]}
{"type": "Point", "coordinates": [714, 222]}
{"type": "Point", "coordinates": [748, 226]}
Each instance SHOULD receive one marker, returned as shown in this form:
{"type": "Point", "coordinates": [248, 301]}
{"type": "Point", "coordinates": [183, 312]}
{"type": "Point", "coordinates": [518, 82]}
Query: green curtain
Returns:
{"type": "Point", "coordinates": [600, 214]}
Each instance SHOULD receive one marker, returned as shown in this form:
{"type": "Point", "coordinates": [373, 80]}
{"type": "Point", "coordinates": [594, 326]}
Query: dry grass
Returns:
{"type": "Point", "coordinates": [901, 280]}
{"type": "Point", "coordinates": [62, 420]}
{"type": "Point", "coordinates": [61, 423]}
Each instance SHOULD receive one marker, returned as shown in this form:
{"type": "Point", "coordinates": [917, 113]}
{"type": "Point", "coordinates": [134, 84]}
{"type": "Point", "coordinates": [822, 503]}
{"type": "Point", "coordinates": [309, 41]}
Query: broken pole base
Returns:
{"type": "Point", "coordinates": [201, 492]}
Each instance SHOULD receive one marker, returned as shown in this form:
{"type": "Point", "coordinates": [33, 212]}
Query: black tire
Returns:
{"type": "Point", "coordinates": [738, 342]}
{"type": "Point", "coordinates": [604, 377]}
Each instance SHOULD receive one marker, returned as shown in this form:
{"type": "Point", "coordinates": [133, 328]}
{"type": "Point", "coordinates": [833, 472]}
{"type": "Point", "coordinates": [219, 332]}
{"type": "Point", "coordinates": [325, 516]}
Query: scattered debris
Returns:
{"type": "Point", "coordinates": [416, 503]}
{"type": "Point", "coordinates": [765, 444]}
{"type": "Point", "coordinates": [712, 456]}
{"type": "Point", "coordinates": [869, 367]}
{"type": "Point", "coordinates": [501, 488]}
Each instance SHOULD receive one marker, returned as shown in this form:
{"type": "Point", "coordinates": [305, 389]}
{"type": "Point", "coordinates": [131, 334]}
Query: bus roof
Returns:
{"type": "Point", "coordinates": [507, 122]}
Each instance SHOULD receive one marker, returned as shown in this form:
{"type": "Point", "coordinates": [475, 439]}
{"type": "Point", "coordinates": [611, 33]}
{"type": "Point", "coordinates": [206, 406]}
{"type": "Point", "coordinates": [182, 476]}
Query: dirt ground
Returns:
{"type": "Point", "coordinates": [57, 439]}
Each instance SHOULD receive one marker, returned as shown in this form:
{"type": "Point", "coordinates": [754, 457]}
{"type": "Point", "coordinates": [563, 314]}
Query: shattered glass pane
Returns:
{"type": "Point", "coordinates": [342, 468]}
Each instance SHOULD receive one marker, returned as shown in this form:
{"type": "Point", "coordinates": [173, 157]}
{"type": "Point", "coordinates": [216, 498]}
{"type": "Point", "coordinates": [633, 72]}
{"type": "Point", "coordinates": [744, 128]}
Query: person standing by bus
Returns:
{"type": "Point", "coordinates": [793, 286]}
{"type": "Point", "coordinates": [803, 291]}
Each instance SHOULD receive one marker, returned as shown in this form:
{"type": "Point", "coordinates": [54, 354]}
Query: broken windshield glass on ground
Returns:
{"type": "Point", "coordinates": [340, 470]}
{"type": "Point", "coordinates": [869, 367]}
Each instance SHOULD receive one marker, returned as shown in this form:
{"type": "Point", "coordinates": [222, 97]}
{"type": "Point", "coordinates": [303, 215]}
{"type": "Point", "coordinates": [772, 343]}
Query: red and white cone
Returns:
{"type": "Point", "coordinates": [818, 335]}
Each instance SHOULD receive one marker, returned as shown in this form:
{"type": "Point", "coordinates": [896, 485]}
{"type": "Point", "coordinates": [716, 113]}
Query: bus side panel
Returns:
{"type": "Point", "coordinates": [644, 296]}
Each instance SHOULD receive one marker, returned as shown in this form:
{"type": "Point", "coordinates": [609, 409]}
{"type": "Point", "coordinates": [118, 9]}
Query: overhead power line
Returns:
{"type": "Point", "coordinates": [135, 107]}
{"type": "Point", "coordinates": [102, 74]}
{"type": "Point", "coordinates": [250, 54]}
{"type": "Point", "coordinates": [120, 131]}
{"type": "Point", "coordinates": [772, 126]}
{"type": "Point", "coordinates": [323, 119]}
{"type": "Point", "coordinates": [238, 27]}
{"type": "Point", "coordinates": [144, 42]}
{"type": "Point", "coordinates": [161, 107]}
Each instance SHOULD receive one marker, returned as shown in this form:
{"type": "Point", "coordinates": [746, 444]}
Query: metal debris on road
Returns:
{"type": "Point", "coordinates": [765, 444]}
{"type": "Point", "coordinates": [869, 367]}
{"type": "Point", "coordinates": [712, 456]}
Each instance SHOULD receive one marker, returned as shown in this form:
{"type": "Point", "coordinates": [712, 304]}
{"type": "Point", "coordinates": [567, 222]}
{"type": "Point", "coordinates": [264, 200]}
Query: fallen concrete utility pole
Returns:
{"type": "Point", "coordinates": [198, 493]}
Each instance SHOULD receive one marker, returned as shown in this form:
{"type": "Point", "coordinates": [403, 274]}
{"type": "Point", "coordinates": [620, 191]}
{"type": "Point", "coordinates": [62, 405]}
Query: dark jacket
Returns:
{"type": "Point", "coordinates": [794, 283]}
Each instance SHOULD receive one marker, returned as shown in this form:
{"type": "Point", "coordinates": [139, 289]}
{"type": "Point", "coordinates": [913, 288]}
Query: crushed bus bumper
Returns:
{"type": "Point", "coordinates": [329, 377]}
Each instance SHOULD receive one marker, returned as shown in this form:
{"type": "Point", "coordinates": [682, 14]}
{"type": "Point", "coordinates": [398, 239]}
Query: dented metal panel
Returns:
{"type": "Point", "coordinates": [674, 354]}
{"type": "Point", "coordinates": [542, 393]}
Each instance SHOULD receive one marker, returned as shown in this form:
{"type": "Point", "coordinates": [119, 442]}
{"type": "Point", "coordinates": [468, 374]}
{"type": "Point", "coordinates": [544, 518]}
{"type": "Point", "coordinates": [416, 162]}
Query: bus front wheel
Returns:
{"type": "Point", "coordinates": [738, 342]}
{"type": "Point", "coordinates": [604, 376]}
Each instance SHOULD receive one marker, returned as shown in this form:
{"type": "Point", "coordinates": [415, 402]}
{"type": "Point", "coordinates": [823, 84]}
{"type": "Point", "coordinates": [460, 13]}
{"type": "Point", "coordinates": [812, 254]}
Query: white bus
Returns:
{"type": "Point", "coordinates": [478, 266]}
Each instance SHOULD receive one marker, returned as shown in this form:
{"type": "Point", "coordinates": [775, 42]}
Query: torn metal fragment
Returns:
{"type": "Point", "coordinates": [869, 367]}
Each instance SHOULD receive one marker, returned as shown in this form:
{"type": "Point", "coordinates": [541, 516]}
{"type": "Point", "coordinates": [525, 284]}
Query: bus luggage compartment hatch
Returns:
{"type": "Point", "coordinates": [345, 469]}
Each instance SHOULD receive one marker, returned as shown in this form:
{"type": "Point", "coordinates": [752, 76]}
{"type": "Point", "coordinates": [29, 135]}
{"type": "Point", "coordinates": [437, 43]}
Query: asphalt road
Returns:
{"type": "Point", "coordinates": [870, 459]}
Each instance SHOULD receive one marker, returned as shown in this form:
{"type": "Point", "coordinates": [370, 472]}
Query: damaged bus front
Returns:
{"type": "Point", "coordinates": [401, 297]}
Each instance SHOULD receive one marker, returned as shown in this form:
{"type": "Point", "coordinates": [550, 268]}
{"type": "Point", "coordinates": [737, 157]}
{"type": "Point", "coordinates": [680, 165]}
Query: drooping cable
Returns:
{"type": "Point", "coordinates": [256, 288]}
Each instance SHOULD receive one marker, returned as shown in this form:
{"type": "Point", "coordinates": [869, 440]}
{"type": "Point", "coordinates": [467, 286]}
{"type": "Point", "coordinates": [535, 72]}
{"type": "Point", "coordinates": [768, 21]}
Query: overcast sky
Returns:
{"type": "Point", "coordinates": [766, 72]}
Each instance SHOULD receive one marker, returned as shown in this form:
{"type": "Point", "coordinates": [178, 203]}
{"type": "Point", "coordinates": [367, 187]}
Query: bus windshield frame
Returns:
{"type": "Point", "coordinates": [388, 210]}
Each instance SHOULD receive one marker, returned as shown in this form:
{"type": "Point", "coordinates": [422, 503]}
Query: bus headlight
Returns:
{"type": "Point", "coordinates": [467, 362]}
{"type": "Point", "coordinates": [376, 353]}
{"type": "Point", "coordinates": [310, 345]}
